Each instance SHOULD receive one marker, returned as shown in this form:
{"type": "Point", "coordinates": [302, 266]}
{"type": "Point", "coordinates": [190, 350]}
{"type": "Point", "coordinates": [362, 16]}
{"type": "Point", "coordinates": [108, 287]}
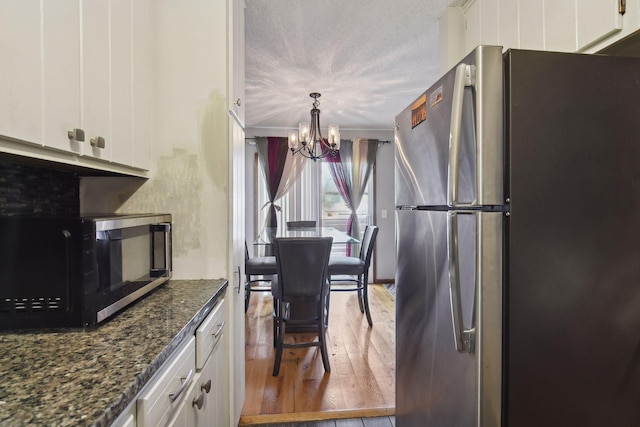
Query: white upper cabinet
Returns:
{"type": "Point", "coordinates": [597, 21]}
{"type": "Point", "coordinates": [21, 64]}
{"type": "Point", "coordinates": [95, 82]}
{"type": "Point", "coordinates": [556, 25]}
{"type": "Point", "coordinates": [61, 73]}
{"type": "Point", "coordinates": [76, 64]}
{"type": "Point", "coordinates": [121, 82]}
{"type": "Point", "coordinates": [141, 37]}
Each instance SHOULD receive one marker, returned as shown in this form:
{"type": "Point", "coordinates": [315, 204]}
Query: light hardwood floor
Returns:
{"type": "Point", "coordinates": [362, 378]}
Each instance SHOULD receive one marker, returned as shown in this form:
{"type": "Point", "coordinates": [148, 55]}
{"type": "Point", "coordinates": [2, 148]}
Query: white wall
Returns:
{"type": "Point", "coordinates": [189, 157]}
{"type": "Point", "coordinates": [451, 41]}
{"type": "Point", "coordinates": [384, 262]}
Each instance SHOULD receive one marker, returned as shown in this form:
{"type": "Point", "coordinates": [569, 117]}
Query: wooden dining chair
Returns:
{"type": "Point", "coordinates": [262, 267]}
{"type": "Point", "coordinates": [301, 224]}
{"type": "Point", "coordinates": [357, 268]}
{"type": "Point", "coordinates": [301, 292]}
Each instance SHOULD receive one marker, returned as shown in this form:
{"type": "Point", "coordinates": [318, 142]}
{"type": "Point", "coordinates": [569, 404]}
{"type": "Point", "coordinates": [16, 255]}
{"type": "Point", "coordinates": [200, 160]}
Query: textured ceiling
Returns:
{"type": "Point", "coordinates": [368, 58]}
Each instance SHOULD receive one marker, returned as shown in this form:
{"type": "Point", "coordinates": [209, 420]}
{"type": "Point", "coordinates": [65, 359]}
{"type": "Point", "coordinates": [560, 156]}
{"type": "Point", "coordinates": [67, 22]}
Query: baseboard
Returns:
{"type": "Point", "coordinates": [252, 420]}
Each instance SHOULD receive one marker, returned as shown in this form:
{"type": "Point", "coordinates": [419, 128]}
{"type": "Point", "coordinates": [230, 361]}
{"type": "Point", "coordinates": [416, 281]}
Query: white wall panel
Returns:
{"type": "Point", "coordinates": [560, 25]}
{"type": "Point", "coordinates": [473, 27]}
{"type": "Point", "coordinates": [508, 23]}
{"type": "Point", "coordinates": [531, 24]}
{"type": "Point", "coordinates": [489, 22]}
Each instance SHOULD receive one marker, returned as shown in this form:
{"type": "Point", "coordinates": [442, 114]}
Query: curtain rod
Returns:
{"type": "Point", "coordinates": [252, 140]}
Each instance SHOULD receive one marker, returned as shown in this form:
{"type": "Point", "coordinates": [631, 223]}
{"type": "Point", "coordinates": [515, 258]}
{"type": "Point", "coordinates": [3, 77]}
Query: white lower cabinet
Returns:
{"type": "Point", "coordinates": [162, 398]}
{"type": "Point", "coordinates": [205, 404]}
{"type": "Point", "coordinates": [192, 389]}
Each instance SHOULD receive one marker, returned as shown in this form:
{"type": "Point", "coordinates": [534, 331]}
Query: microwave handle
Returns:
{"type": "Point", "coordinates": [67, 254]}
{"type": "Point", "coordinates": [165, 228]}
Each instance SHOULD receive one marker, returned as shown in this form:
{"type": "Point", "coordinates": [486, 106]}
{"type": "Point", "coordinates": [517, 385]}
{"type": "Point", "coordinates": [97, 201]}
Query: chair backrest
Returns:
{"type": "Point", "coordinates": [300, 224]}
{"type": "Point", "coordinates": [368, 241]}
{"type": "Point", "coordinates": [302, 266]}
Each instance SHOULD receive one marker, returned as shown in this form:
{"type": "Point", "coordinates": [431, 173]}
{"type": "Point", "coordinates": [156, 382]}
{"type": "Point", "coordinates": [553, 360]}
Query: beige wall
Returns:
{"type": "Point", "coordinates": [189, 154]}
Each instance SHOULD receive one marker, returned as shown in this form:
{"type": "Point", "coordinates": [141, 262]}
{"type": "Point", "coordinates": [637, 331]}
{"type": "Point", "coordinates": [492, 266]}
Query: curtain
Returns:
{"type": "Point", "coordinates": [351, 168]}
{"type": "Point", "coordinates": [280, 170]}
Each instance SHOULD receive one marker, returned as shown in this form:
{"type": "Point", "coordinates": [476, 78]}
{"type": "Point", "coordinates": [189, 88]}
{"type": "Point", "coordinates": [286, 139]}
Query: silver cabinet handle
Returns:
{"type": "Point", "coordinates": [462, 78]}
{"type": "Point", "coordinates": [206, 386]}
{"type": "Point", "coordinates": [217, 333]}
{"type": "Point", "coordinates": [183, 387]}
{"type": "Point", "coordinates": [238, 281]}
{"type": "Point", "coordinates": [199, 401]}
{"type": "Point", "coordinates": [463, 339]}
{"type": "Point", "coordinates": [68, 266]}
{"type": "Point", "coordinates": [76, 134]}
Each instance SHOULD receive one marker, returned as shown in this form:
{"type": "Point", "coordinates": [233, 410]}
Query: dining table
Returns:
{"type": "Point", "coordinates": [267, 235]}
{"type": "Point", "coordinates": [265, 239]}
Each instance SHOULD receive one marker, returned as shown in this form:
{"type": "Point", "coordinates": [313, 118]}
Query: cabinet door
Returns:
{"type": "Point", "coordinates": [236, 268]}
{"type": "Point", "coordinates": [21, 64]}
{"type": "Point", "coordinates": [236, 62]}
{"type": "Point", "coordinates": [121, 144]}
{"type": "Point", "coordinates": [141, 83]}
{"type": "Point", "coordinates": [203, 400]}
{"type": "Point", "coordinates": [61, 73]}
{"type": "Point", "coordinates": [95, 77]}
{"type": "Point", "coordinates": [597, 20]}
{"type": "Point", "coordinates": [205, 404]}
{"type": "Point", "coordinates": [162, 396]}
{"type": "Point", "coordinates": [219, 409]}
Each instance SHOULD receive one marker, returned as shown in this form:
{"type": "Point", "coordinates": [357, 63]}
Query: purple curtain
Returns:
{"type": "Point", "coordinates": [273, 156]}
{"type": "Point", "coordinates": [350, 169]}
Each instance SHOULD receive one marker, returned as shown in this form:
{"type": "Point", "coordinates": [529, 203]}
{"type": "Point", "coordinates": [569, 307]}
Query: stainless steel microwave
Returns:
{"type": "Point", "coordinates": [75, 272]}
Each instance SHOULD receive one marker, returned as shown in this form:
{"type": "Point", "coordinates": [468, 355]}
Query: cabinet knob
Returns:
{"type": "Point", "coordinates": [237, 102]}
{"type": "Point", "coordinates": [199, 401]}
{"type": "Point", "coordinates": [98, 141]}
{"type": "Point", "coordinates": [76, 134]}
{"type": "Point", "coordinates": [206, 386]}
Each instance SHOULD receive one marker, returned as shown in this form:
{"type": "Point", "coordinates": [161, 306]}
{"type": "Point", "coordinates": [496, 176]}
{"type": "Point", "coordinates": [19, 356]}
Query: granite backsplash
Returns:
{"type": "Point", "coordinates": [32, 190]}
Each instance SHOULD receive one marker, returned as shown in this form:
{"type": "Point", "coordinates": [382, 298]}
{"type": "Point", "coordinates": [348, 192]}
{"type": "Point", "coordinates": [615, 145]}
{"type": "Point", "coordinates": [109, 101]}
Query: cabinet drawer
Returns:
{"type": "Point", "coordinates": [209, 333]}
{"type": "Point", "coordinates": [161, 397]}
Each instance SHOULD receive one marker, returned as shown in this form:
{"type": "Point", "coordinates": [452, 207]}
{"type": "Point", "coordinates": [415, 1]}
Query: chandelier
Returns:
{"type": "Point", "coordinates": [308, 141]}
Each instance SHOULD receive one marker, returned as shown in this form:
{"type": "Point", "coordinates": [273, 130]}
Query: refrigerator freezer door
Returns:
{"type": "Point", "coordinates": [573, 283]}
{"type": "Point", "coordinates": [430, 131]}
{"type": "Point", "coordinates": [437, 385]}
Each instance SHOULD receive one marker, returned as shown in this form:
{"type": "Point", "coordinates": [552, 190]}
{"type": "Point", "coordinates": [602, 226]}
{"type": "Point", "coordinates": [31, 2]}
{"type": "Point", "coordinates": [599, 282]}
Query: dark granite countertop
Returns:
{"type": "Point", "coordinates": [85, 377]}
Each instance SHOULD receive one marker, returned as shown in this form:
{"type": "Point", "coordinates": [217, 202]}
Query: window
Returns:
{"type": "Point", "coordinates": [334, 210]}
{"type": "Point", "coordinates": [315, 197]}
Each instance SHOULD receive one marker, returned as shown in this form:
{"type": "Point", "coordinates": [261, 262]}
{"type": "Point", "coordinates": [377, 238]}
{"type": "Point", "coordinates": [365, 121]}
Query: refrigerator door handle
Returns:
{"type": "Point", "coordinates": [463, 78]}
{"type": "Point", "coordinates": [464, 339]}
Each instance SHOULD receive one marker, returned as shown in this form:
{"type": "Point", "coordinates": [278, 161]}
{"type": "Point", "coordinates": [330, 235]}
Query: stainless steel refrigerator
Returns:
{"type": "Point", "coordinates": [518, 244]}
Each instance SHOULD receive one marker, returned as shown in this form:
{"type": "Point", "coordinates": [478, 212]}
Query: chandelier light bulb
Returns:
{"type": "Point", "coordinates": [293, 139]}
{"type": "Point", "coordinates": [303, 132]}
{"type": "Point", "coordinates": [334, 136]}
